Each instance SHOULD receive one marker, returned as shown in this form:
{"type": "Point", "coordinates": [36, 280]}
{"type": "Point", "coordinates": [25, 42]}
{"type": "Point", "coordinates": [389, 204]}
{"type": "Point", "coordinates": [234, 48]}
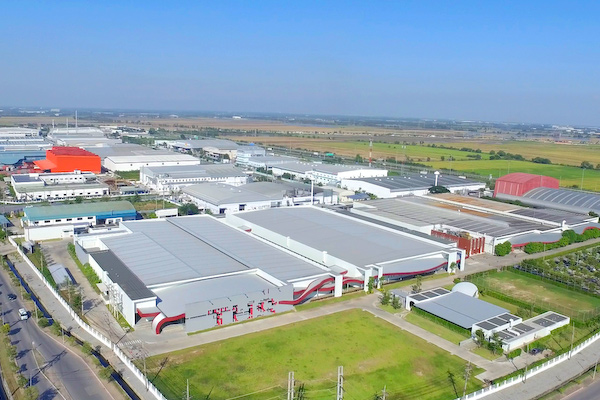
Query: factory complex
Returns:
{"type": "Point", "coordinates": [207, 272]}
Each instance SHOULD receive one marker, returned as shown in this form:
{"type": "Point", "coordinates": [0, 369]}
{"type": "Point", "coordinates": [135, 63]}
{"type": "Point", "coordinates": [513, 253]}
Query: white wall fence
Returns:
{"type": "Point", "coordinates": [96, 334]}
{"type": "Point", "coordinates": [533, 371]}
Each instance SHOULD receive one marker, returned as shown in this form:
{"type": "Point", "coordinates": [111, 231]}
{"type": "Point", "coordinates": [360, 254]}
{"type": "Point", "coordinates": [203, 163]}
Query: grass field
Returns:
{"type": "Point", "coordinates": [535, 291]}
{"type": "Point", "coordinates": [373, 353]}
{"type": "Point", "coordinates": [432, 156]}
{"type": "Point", "coordinates": [557, 153]}
{"type": "Point", "coordinates": [435, 328]}
{"type": "Point", "coordinates": [566, 175]}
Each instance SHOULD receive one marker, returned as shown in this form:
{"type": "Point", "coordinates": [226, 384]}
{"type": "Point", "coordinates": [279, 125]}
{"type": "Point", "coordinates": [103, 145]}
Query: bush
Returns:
{"type": "Point", "coordinates": [43, 322]}
{"type": "Point", "coordinates": [503, 249]}
{"type": "Point", "coordinates": [22, 381]}
{"type": "Point", "coordinates": [513, 354]}
{"type": "Point", "coordinates": [87, 348]}
{"type": "Point", "coordinates": [106, 373]}
{"type": "Point", "coordinates": [385, 298]}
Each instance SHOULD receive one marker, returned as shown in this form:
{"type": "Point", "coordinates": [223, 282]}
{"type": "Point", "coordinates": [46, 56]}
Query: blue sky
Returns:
{"type": "Point", "coordinates": [533, 61]}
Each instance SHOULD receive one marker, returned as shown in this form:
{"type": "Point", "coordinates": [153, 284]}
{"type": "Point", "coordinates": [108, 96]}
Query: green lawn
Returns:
{"type": "Point", "coordinates": [435, 328]}
{"type": "Point", "coordinates": [330, 300]}
{"type": "Point", "coordinates": [513, 309]}
{"type": "Point", "coordinates": [407, 283]}
{"type": "Point", "coordinates": [540, 293]}
{"type": "Point", "coordinates": [567, 175]}
{"type": "Point", "coordinates": [373, 353]}
{"type": "Point", "coordinates": [485, 353]}
{"type": "Point", "coordinates": [129, 175]}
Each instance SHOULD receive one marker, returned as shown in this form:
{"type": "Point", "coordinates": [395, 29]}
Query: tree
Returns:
{"type": "Point", "coordinates": [6, 328]}
{"type": "Point", "coordinates": [22, 381]}
{"type": "Point", "coordinates": [188, 209]}
{"type": "Point", "coordinates": [78, 199]}
{"type": "Point", "coordinates": [371, 284]}
{"type": "Point", "coordinates": [503, 249]}
{"type": "Point", "coordinates": [479, 337]}
{"type": "Point", "coordinates": [416, 288]}
{"type": "Point", "coordinates": [43, 322]}
{"type": "Point", "coordinates": [587, 165]}
{"type": "Point", "coordinates": [31, 393]}
{"type": "Point", "coordinates": [106, 373]}
{"type": "Point", "coordinates": [438, 189]}
{"type": "Point", "coordinates": [396, 302]}
{"type": "Point", "coordinates": [358, 158]}
{"type": "Point", "coordinates": [385, 298]}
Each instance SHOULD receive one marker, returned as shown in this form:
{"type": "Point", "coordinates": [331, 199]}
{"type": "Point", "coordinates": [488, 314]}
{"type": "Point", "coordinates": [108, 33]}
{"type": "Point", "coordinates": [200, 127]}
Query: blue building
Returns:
{"type": "Point", "coordinates": [64, 220]}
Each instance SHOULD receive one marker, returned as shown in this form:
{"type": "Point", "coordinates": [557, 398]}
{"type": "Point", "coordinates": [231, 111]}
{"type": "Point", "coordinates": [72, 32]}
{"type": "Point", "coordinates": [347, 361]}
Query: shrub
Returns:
{"type": "Point", "coordinates": [385, 298]}
{"type": "Point", "coordinates": [106, 373]}
{"type": "Point", "coordinates": [513, 354]}
{"type": "Point", "coordinates": [503, 249]}
{"type": "Point", "coordinates": [87, 348]}
{"type": "Point", "coordinates": [43, 322]}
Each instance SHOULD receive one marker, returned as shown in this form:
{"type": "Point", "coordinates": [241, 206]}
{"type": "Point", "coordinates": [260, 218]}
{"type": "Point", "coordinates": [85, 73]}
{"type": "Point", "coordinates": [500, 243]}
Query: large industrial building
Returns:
{"type": "Point", "coordinates": [220, 198]}
{"type": "Point", "coordinates": [477, 225]}
{"type": "Point", "coordinates": [519, 183]}
{"type": "Point", "coordinates": [166, 180]}
{"type": "Point", "coordinates": [326, 174]}
{"type": "Point", "coordinates": [57, 186]}
{"type": "Point", "coordinates": [204, 272]}
{"type": "Point", "coordinates": [69, 159]}
{"type": "Point", "coordinates": [80, 136]}
{"type": "Point", "coordinates": [135, 162]}
{"type": "Point", "coordinates": [410, 184]}
{"type": "Point", "coordinates": [64, 220]}
{"type": "Point", "coordinates": [218, 149]}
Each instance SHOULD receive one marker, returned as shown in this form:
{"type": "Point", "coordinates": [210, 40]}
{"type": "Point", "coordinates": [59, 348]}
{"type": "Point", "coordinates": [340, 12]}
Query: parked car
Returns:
{"type": "Point", "coordinates": [23, 313]}
{"type": "Point", "coordinates": [12, 297]}
{"type": "Point", "coordinates": [535, 351]}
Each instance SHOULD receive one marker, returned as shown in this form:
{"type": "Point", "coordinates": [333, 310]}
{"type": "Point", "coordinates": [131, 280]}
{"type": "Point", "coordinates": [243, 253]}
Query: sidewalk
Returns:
{"type": "Point", "coordinates": [62, 316]}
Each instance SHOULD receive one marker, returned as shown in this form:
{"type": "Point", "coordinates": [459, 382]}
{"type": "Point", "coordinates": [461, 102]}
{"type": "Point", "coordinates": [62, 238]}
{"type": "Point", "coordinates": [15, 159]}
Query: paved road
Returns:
{"type": "Point", "coordinates": [59, 366]}
{"type": "Point", "coordinates": [591, 391]}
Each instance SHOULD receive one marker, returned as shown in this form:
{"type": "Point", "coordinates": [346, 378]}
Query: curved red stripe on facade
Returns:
{"type": "Point", "coordinates": [514, 246]}
{"type": "Point", "coordinates": [418, 272]}
{"type": "Point", "coordinates": [159, 326]}
{"type": "Point", "coordinates": [148, 315]}
{"type": "Point", "coordinates": [306, 292]}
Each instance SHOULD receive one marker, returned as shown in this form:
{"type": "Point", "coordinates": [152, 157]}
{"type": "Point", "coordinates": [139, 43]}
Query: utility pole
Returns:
{"type": "Point", "coordinates": [468, 369]}
{"type": "Point", "coordinates": [291, 383]}
{"type": "Point", "coordinates": [340, 384]}
{"type": "Point", "coordinates": [595, 366]}
{"type": "Point", "coordinates": [384, 395]}
{"type": "Point", "coordinates": [187, 390]}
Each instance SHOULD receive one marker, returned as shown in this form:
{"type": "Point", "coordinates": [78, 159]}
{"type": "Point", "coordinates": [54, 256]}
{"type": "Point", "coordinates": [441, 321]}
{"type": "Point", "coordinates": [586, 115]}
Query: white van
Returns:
{"type": "Point", "coordinates": [23, 313]}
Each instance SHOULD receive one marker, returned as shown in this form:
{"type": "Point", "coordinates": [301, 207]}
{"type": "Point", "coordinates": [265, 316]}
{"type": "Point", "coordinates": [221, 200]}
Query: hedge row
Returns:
{"type": "Point", "coordinates": [86, 268]}
{"type": "Point", "coordinates": [453, 327]}
{"type": "Point", "coordinates": [568, 237]}
{"type": "Point", "coordinates": [513, 354]}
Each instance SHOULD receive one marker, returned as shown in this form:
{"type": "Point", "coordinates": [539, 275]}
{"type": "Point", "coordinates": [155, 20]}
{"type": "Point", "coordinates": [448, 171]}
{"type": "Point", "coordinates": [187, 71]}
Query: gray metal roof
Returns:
{"type": "Point", "coordinates": [60, 274]}
{"type": "Point", "coordinates": [173, 300]}
{"type": "Point", "coordinates": [415, 266]}
{"type": "Point", "coordinates": [195, 247]}
{"type": "Point", "coordinates": [123, 149]}
{"type": "Point", "coordinates": [121, 275]}
{"type": "Point", "coordinates": [220, 193]}
{"type": "Point", "coordinates": [347, 238]}
{"type": "Point", "coordinates": [548, 214]}
{"type": "Point", "coordinates": [461, 309]}
{"type": "Point", "coordinates": [195, 171]}
{"type": "Point", "coordinates": [574, 199]}
{"type": "Point", "coordinates": [417, 181]}
{"type": "Point", "coordinates": [221, 144]}
{"type": "Point", "coordinates": [422, 211]}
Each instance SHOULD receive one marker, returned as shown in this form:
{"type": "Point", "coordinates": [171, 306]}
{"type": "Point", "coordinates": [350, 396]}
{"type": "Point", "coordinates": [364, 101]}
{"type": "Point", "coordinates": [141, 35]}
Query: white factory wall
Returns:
{"type": "Point", "coordinates": [36, 233]}
{"type": "Point", "coordinates": [125, 166]}
{"type": "Point", "coordinates": [61, 193]}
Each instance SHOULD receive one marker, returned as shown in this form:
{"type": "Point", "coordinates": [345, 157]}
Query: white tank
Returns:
{"type": "Point", "coordinates": [466, 288]}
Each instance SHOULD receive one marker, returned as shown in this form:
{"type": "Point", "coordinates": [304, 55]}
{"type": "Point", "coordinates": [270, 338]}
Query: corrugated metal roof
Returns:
{"type": "Point", "coordinates": [461, 309]}
{"type": "Point", "coordinates": [220, 193]}
{"type": "Point", "coordinates": [579, 200]}
{"type": "Point", "coordinates": [187, 248]}
{"type": "Point", "coordinates": [38, 213]}
{"type": "Point", "coordinates": [417, 181]}
{"type": "Point", "coordinates": [65, 186]}
{"type": "Point", "coordinates": [152, 158]}
{"type": "Point", "coordinates": [519, 177]}
{"type": "Point", "coordinates": [124, 149]}
{"type": "Point", "coordinates": [194, 171]}
{"type": "Point", "coordinates": [347, 238]}
{"type": "Point", "coordinates": [121, 275]}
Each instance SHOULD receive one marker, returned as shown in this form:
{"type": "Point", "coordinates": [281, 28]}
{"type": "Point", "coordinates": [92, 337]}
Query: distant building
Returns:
{"type": "Point", "coordinates": [59, 186]}
{"type": "Point", "coordinates": [132, 163]}
{"type": "Point", "coordinates": [69, 159]}
{"type": "Point", "coordinates": [519, 183]}
{"type": "Point", "coordinates": [326, 174]}
{"type": "Point", "coordinates": [409, 184]}
{"type": "Point", "coordinates": [165, 180]}
{"type": "Point", "coordinates": [64, 220]}
{"type": "Point", "coordinates": [80, 136]}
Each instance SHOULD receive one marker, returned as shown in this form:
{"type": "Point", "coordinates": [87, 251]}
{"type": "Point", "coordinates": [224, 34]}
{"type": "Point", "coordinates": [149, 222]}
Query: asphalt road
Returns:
{"type": "Point", "coordinates": [70, 372]}
{"type": "Point", "coordinates": [588, 392]}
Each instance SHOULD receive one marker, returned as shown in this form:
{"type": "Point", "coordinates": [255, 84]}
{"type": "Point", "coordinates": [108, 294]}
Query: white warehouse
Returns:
{"type": "Point", "coordinates": [166, 180]}
{"type": "Point", "coordinates": [133, 163]}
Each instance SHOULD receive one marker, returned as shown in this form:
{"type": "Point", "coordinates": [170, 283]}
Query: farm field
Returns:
{"type": "Point", "coordinates": [373, 352]}
{"type": "Point", "coordinates": [432, 156]}
{"type": "Point", "coordinates": [567, 176]}
{"type": "Point", "coordinates": [568, 154]}
{"type": "Point", "coordinates": [535, 291]}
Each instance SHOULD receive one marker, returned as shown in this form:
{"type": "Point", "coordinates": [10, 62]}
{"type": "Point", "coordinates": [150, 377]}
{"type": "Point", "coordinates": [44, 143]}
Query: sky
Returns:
{"type": "Point", "coordinates": [510, 61]}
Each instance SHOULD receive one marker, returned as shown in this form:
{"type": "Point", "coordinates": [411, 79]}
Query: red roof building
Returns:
{"type": "Point", "coordinates": [519, 183]}
{"type": "Point", "coordinates": [69, 159]}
